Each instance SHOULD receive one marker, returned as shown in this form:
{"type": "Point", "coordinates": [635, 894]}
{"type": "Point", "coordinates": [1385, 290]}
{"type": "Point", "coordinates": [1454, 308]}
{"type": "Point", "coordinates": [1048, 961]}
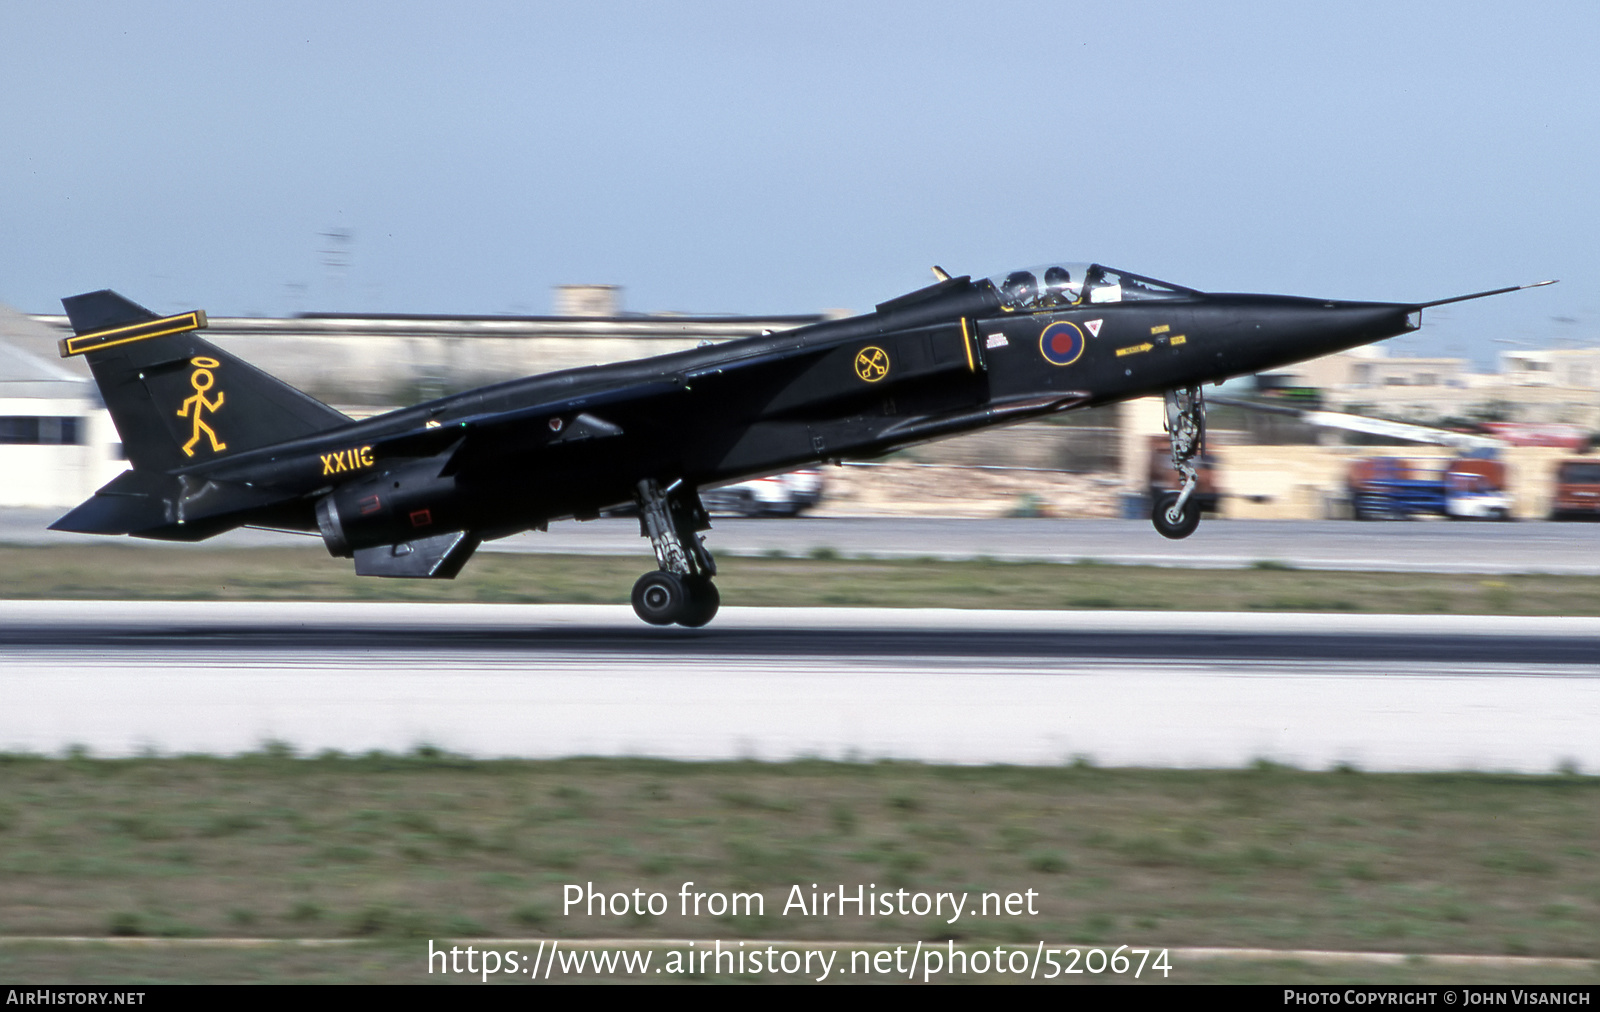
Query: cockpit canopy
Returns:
{"type": "Point", "coordinates": [1055, 286]}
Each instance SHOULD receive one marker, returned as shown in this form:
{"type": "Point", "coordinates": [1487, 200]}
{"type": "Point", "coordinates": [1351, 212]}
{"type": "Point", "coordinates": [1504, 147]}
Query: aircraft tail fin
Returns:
{"type": "Point", "coordinates": [176, 398]}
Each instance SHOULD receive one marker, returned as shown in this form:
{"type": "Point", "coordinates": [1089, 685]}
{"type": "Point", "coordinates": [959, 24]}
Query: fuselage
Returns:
{"type": "Point", "coordinates": [945, 360]}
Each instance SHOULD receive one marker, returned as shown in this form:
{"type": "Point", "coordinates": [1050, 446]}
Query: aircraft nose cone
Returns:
{"type": "Point", "coordinates": [1279, 331]}
{"type": "Point", "coordinates": [1338, 326]}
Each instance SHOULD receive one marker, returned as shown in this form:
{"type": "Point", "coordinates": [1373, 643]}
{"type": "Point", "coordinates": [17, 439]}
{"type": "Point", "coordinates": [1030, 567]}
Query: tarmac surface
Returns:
{"type": "Point", "coordinates": [940, 685]}
{"type": "Point", "coordinates": [1416, 546]}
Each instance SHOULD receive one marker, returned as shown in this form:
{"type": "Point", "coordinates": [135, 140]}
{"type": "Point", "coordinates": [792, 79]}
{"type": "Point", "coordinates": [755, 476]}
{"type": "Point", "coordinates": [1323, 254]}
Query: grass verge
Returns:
{"type": "Point", "coordinates": [394, 850]}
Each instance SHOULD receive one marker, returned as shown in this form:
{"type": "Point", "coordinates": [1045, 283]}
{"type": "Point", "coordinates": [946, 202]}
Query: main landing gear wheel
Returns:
{"type": "Point", "coordinates": [681, 590]}
{"type": "Point", "coordinates": [660, 597]}
{"type": "Point", "coordinates": [1171, 521]}
{"type": "Point", "coordinates": [704, 600]}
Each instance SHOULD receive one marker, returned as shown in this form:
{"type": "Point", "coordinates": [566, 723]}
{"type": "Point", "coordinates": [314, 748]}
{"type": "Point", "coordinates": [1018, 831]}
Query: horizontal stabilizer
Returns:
{"type": "Point", "coordinates": [152, 504]}
{"type": "Point", "coordinates": [132, 502]}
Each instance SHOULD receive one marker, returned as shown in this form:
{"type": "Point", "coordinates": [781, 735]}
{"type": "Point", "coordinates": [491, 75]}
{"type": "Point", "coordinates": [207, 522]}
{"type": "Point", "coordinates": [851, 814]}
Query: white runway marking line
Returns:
{"type": "Point", "coordinates": [200, 619]}
{"type": "Point", "coordinates": [444, 661]}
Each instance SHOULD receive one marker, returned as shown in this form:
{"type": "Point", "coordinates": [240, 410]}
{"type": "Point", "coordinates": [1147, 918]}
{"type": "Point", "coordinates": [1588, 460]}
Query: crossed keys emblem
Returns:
{"type": "Point", "coordinates": [872, 363]}
{"type": "Point", "coordinates": [202, 379]}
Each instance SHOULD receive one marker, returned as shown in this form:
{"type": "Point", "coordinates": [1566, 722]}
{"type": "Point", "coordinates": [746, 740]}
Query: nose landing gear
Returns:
{"type": "Point", "coordinates": [680, 591]}
{"type": "Point", "coordinates": [1173, 514]}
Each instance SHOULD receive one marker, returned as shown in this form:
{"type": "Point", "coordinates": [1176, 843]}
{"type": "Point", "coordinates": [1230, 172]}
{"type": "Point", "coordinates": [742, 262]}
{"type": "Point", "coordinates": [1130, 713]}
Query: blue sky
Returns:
{"type": "Point", "coordinates": [737, 157]}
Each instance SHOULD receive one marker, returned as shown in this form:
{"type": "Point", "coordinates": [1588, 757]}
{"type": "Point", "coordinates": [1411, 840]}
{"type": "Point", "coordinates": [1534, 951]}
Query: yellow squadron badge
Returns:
{"type": "Point", "coordinates": [872, 363]}
{"type": "Point", "coordinates": [202, 380]}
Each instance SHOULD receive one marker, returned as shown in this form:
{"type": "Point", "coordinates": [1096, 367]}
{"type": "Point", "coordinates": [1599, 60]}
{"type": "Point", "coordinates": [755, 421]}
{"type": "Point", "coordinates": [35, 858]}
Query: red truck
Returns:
{"type": "Point", "coordinates": [1577, 490]}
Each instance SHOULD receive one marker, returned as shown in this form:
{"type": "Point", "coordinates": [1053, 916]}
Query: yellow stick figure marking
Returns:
{"type": "Point", "coordinates": [872, 363]}
{"type": "Point", "coordinates": [202, 380]}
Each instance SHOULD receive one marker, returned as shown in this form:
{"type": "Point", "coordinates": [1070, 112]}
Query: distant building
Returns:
{"type": "Point", "coordinates": [57, 443]}
{"type": "Point", "coordinates": [1578, 368]}
{"type": "Point", "coordinates": [1549, 386]}
{"type": "Point", "coordinates": [588, 300]}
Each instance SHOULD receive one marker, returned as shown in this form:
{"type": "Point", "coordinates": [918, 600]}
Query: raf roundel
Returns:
{"type": "Point", "coordinates": [1061, 343]}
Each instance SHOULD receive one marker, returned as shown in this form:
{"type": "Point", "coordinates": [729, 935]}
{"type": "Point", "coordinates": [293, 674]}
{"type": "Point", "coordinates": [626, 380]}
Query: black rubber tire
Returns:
{"type": "Point", "coordinates": [704, 600]}
{"type": "Point", "coordinates": [1181, 527]}
{"type": "Point", "coordinates": [660, 598]}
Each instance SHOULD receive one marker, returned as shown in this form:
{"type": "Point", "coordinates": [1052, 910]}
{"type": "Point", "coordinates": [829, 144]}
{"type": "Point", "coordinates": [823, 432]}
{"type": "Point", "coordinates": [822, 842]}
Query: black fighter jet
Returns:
{"type": "Point", "coordinates": [216, 444]}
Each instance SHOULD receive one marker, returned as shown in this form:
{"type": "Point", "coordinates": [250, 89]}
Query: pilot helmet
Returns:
{"type": "Point", "coordinates": [1056, 282]}
{"type": "Point", "coordinates": [1020, 287]}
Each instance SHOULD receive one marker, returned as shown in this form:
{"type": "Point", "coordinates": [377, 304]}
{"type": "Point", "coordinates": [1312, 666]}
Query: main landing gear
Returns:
{"type": "Point", "coordinates": [681, 590]}
{"type": "Point", "coordinates": [1173, 514]}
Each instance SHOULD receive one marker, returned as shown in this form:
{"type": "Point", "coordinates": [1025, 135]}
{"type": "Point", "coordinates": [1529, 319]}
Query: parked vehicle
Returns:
{"type": "Point", "coordinates": [1568, 437]}
{"type": "Point", "coordinates": [1393, 488]}
{"type": "Point", "coordinates": [1577, 490]}
{"type": "Point", "coordinates": [780, 495]}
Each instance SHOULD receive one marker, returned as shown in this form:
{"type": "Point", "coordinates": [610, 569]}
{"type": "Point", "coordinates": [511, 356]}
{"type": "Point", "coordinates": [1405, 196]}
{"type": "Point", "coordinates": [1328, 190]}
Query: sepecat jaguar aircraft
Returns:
{"type": "Point", "coordinates": [216, 444]}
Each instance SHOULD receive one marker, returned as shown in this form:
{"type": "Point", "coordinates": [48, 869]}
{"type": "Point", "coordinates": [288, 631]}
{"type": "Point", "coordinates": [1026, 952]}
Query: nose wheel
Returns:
{"type": "Point", "coordinates": [1174, 519]}
{"type": "Point", "coordinates": [1175, 514]}
{"type": "Point", "coordinates": [681, 591]}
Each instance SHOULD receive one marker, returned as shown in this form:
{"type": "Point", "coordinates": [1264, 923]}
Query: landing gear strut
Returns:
{"type": "Point", "coordinates": [1173, 514]}
{"type": "Point", "coordinates": [681, 590]}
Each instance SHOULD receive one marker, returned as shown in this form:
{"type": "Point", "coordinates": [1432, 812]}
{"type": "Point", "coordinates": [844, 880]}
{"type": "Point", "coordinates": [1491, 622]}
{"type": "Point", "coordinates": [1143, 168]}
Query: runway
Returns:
{"type": "Point", "coordinates": [1115, 688]}
{"type": "Point", "coordinates": [1418, 546]}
